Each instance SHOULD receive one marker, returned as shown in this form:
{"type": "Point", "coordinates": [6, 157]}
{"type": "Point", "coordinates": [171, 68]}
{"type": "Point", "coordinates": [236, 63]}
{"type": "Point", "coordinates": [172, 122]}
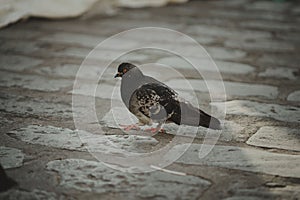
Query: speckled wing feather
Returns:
{"type": "Point", "coordinates": [157, 101]}
{"type": "Point", "coordinates": [160, 103]}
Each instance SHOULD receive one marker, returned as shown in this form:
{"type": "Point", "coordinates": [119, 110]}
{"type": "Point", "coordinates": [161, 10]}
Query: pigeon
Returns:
{"type": "Point", "coordinates": [152, 101]}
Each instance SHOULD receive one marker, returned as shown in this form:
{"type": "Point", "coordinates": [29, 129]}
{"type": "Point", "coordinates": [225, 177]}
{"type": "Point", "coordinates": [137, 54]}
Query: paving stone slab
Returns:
{"type": "Point", "coordinates": [279, 72]}
{"type": "Point", "coordinates": [64, 138]}
{"type": "Point", "coordinates": [119, 43]}
{"type": "Point", "coordinates": [87, 72]}
{"type": "Point", "coordinates": [227, 32]}
{"type": "Point", "coordinates": [289, 36]}
{"type": "Point", "coordinates": [74, 39]}
{"type": "Point", "coordinates": [65, 71]}
{"type": "Point", "coordinates": [11, 157]}
{"type": "Point", "coordinates": [206, 65]}
{"type": "Point", "coordinates": [123, 23]}
{"type": "Point", "coordinates": [19, 46]}
{"type": "Point", "coordinates": [276, 137]}
{"type": "Point", "coordinates": [246, 159]}
{"type": "Point", "coordinates": [90, 72]}
{"type": "Point", "coordinates": [204, 39]}
{"type": "Point", "coordinates": [91, 176]}
{"type": "Point", "coordinates": [104, 91]}
{"type": "Point", "coordinates": [154, 35]}
{"type": "Point", "coordinates": [19, 105]}
{"type": "Point", "coordinates": [251, 14]}
{"type": "Point", "coordinates": [261, 45]}
{"type": "Point", "coordinates": [268, 6]}
{"type": "Point", "coordinates": [263, 193]}
{"type": "Point", "coordinates": [28, 195]}
{"type": "Point", "coordinates": [33, 82]}
{"type": "Point", "coordinates": [19, 33]}
{"type": "Point", "coordinates": [294, 96]}
{"type": "Point", "coordinates": [4, 121]}
{"type": "Point", "coordinates": [230, 3]}
{"type": "Point", "coordinates": [286, 60]}
{"type": "Point", "coordinates": [17, 63]}
{"type": "Point", "coordinates": [234, 68]}
{"type": "Point", "coordinates": [270, 25]}
{"type": "Point", "coordinates": [296, 9]}
{"type": "Point", "coordinates": [101, 54]}
{"type": "Point", "coordinates": [251, 108]}
{"type": "Point", "coordinates": [231, 88]}
{"type": "Point", "coordinates": [231, 130]}
{"type": "Point", "coordinates": [225, 54]}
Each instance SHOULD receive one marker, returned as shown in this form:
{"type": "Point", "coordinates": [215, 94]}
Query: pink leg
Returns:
{"type": "Point", "coordinates": [130, 127]}
{"type": "Point", "coordinates": [155, 130]}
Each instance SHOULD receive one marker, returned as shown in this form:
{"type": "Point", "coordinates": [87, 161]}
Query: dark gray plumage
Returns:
{"type": "Point", "coordinates": [152, 101]}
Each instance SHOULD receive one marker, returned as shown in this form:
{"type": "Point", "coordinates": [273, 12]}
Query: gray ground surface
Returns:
{"type": "Point", "coordinates": [255, 44]}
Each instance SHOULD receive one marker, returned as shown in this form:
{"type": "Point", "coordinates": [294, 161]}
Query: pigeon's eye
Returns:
{"type": "Point", "coordinates": [124, 71]}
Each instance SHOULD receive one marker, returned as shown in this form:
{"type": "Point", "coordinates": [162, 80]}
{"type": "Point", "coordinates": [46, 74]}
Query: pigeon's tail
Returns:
{"type": "Point", "coordinates": [189, 115]}
{"type": "Point", "coordinates": [209, 121]}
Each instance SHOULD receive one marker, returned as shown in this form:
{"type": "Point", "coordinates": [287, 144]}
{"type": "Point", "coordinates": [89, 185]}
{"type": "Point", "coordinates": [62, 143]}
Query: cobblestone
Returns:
{"type": "Point", "coordinates": [231, 88]}
{"type": "Point", "coordinates": [227, 33]}
{"type": "Point", "coordinates": [276, 137]}
{"type": "Point", "coordinates": [74, 38]}
{"type": "Point", "coordinates": [92, 41]}
{"type": "Point", "coordinates": [207, 65]}
{"type": "Point", "coordinates": [268, 5]}
{"type": "Point", "coordinates": [286, 60]}
{"type": "Point", "coordinates": [93, 176]}
{"type": "Point", "coordinates": [296, 10]}
{"type": "Point", "coordinates": [231, 3]}
{"type": "Point", "coordinates": [4, 121]}
{"type": "Point", "coordinates": [11, 157]}
{"type": "Point", "coordinates": [18, 46]}
{"type": "Point", "coordinates": [90, 72]}
{"type": "Point", "coordinates": [204, 39]}
{"type": "Point", "coordinates": [20, 33]}
{"type": "Point", "coordinates": [104, 91]}
{"type": "Point", "coordinates": [261, 45]}
{"type": "Point", "coordinates": [101, 54]}
{"type": "Point", "coordinates": [267, 25]}
{"type": "Point", "coordinates": [283, 192]}
{"type": "Point", "coordinates": [295, 96]}
{"type": "Point", "coordinates": [279, 72]}
{"type": "Point", "coordinates": [250, 14]}
{"type": "Point", "coordinates": [243, 159]}
{"type": "Point", "coordinates": [33, 82]}
{"type": "Point", "coordinates": [64, 138]}
{"type": "Point", "coordinates": [25, 195]}
{"type": "Point", "coordinates": [251, 108]}
{"type": "Point", "coordinates": [18, 63]}
{"type": "Point", "coordinates": [225, 54]}
{"type": "Point", "coordinates": [21, 105]}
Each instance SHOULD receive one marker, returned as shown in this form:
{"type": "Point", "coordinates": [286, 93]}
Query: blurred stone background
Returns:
{"type": "Point", "coordinates": [255, 45]}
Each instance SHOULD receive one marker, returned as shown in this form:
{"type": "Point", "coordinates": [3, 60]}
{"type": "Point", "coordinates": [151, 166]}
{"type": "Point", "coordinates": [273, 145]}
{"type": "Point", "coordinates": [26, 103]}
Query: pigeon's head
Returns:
{"type": "Point", "coordinates": [124, 68]}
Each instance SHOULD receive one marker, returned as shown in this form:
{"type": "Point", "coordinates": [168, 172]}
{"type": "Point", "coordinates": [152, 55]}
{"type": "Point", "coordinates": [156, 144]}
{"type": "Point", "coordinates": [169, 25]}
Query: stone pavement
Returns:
{"type": "Point", "coordinates": [255, 44]}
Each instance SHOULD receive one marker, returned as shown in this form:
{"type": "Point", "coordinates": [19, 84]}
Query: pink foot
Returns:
{"type": "Point", "coordinates": [155, 130]}
{"type": "Point", "coordinates": [130, 127]}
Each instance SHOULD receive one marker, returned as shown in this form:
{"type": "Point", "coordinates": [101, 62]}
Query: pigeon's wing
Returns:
{"type": "Point", "coordinates": [157, 101]}
{"type": "Point", "coordinates": [160, 103]}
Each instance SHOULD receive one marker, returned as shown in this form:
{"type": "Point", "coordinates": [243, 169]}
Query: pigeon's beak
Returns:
{"type": "Point", "coordinates": [119, 74]}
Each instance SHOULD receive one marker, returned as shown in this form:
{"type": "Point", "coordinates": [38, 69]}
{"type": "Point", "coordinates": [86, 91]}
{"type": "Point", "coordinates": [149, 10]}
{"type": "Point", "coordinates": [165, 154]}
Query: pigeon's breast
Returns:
{"type": "Point", "coordinates": [135, 108]}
